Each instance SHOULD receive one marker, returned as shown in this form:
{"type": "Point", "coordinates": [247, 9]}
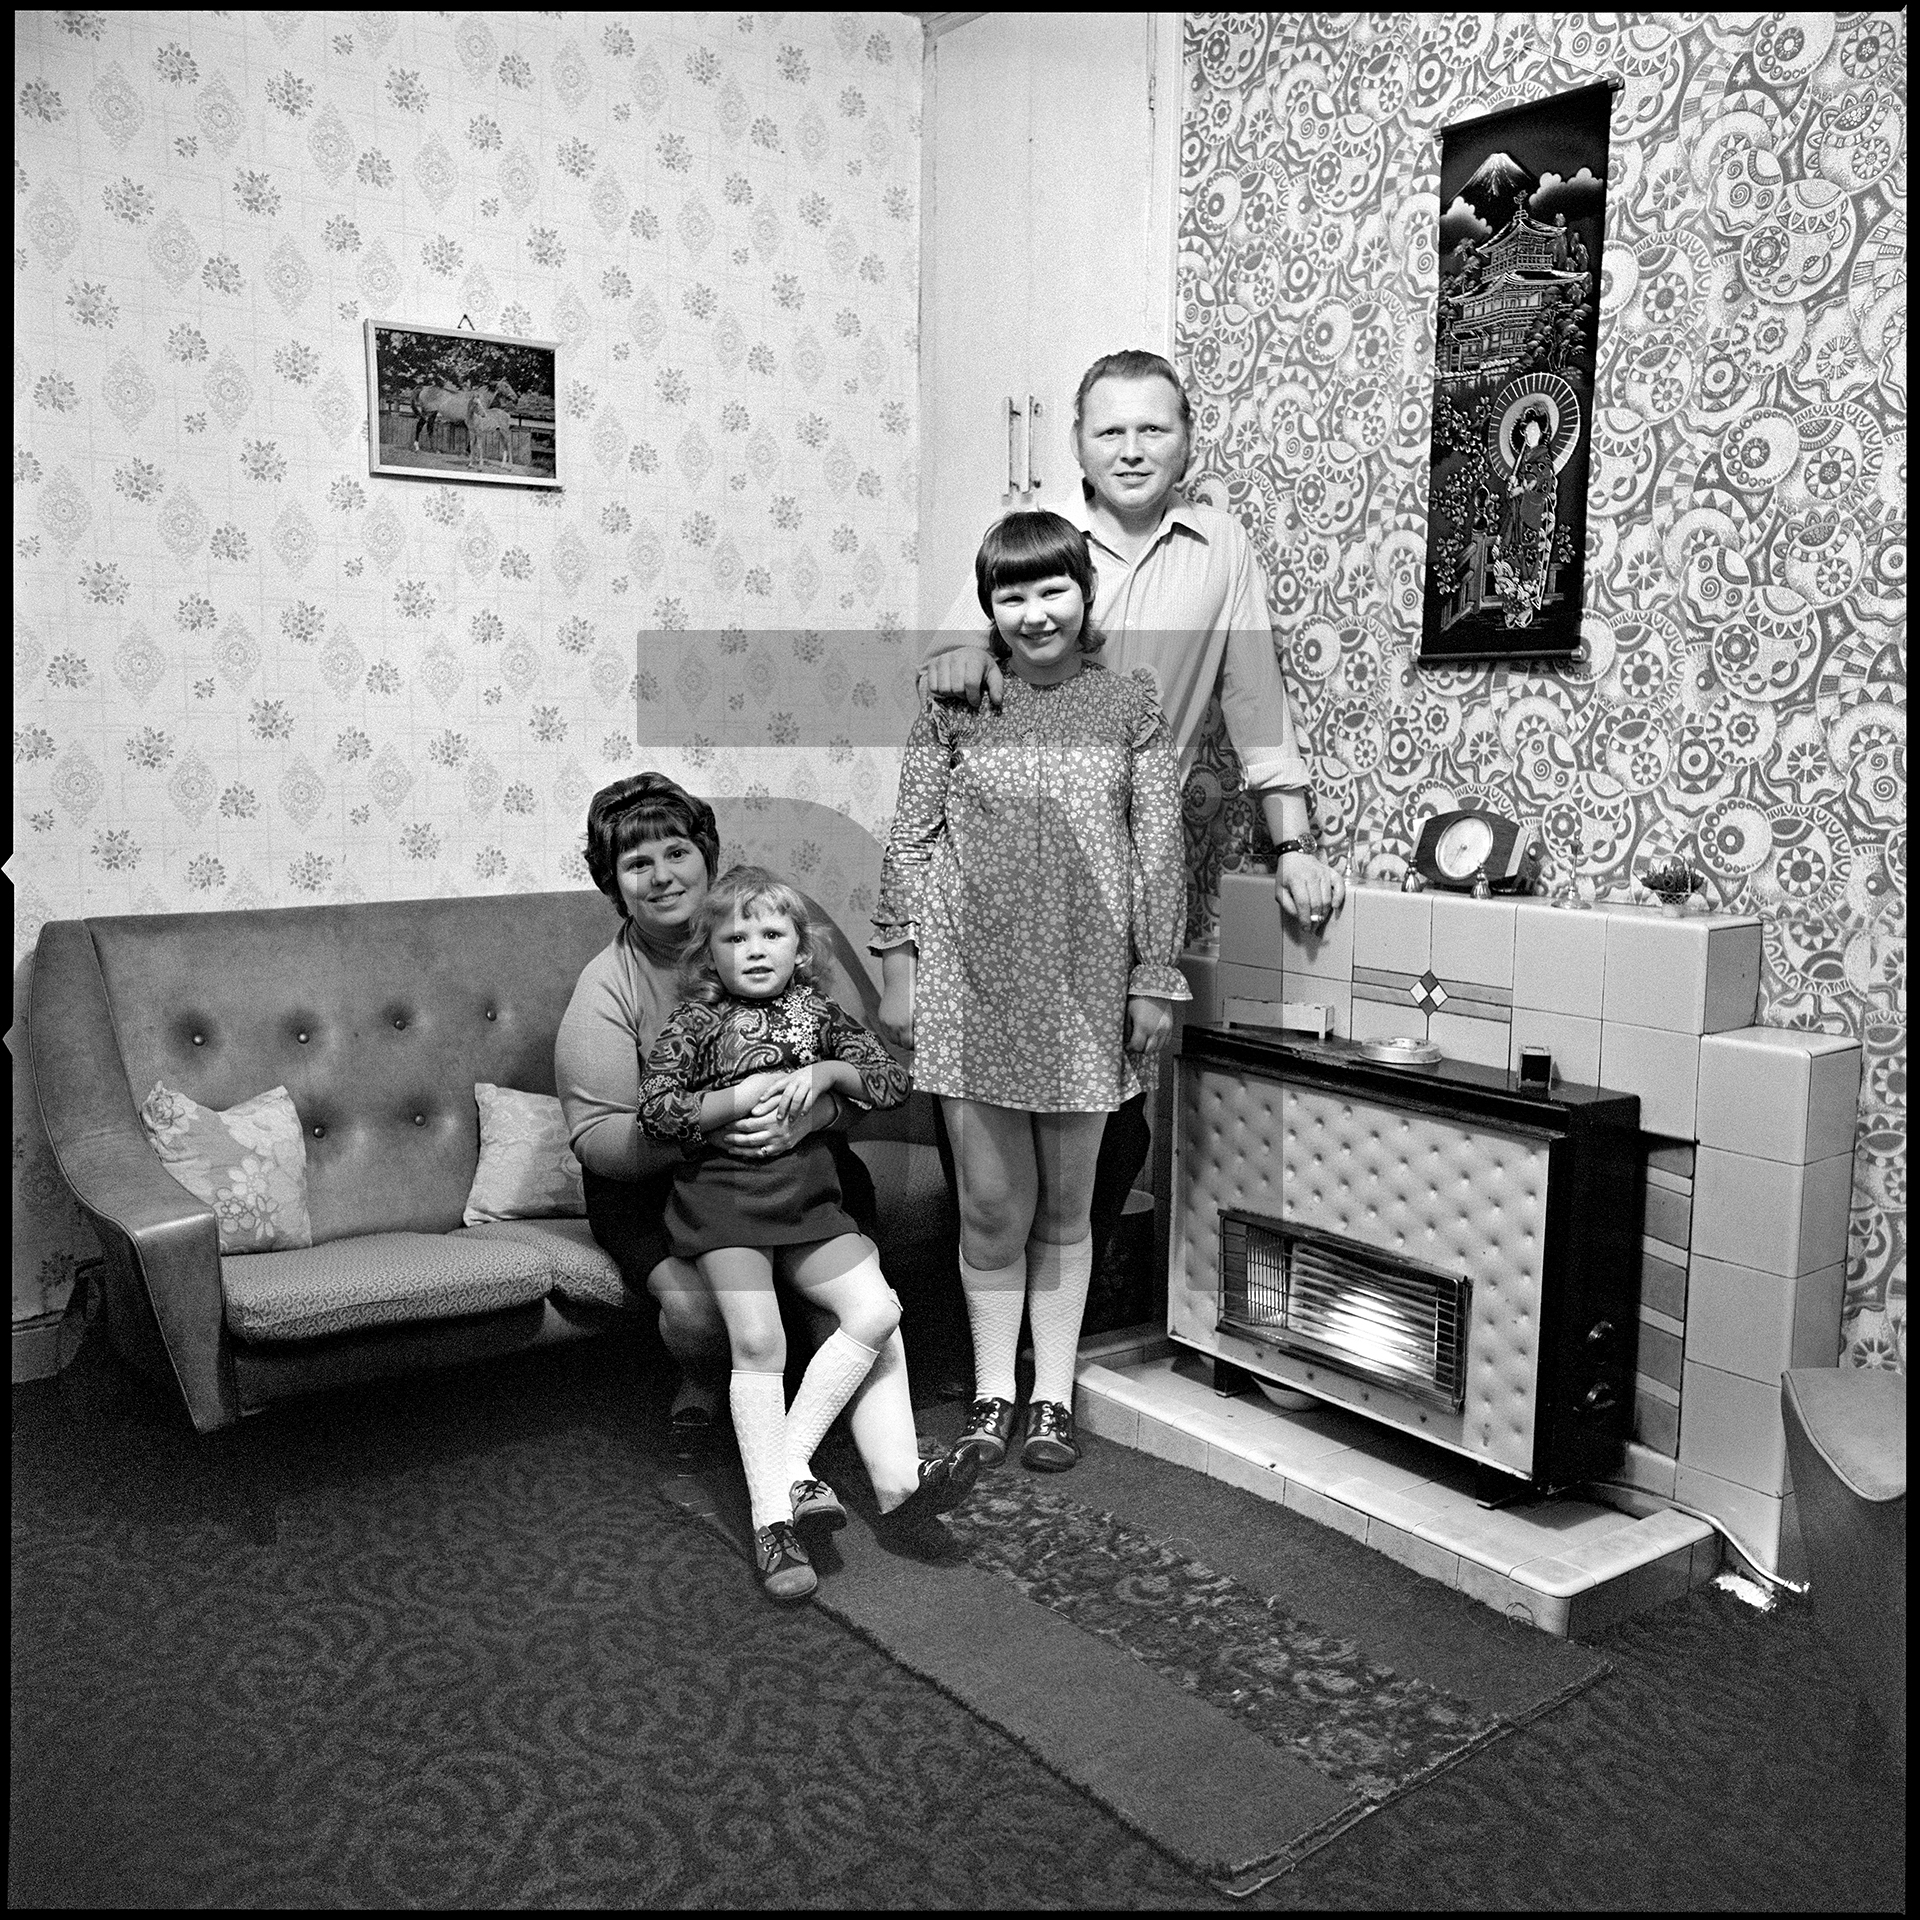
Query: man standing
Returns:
{"type": "Point", "coordinates": [1180, 591]}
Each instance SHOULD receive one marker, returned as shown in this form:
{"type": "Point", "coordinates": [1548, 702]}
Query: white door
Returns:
{"type": "Point", "coordinates": [1050, 176]}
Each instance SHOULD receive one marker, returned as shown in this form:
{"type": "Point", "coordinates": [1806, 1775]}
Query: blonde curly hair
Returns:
{"type": "Point", "coordinates": [740, 889]}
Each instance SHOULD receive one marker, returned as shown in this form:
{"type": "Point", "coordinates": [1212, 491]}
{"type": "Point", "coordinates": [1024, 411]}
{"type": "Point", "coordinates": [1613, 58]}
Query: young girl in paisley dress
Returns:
{"type": "Point", "coordinates": [1033, 903]}
{"type": "Point", "coordinates": [753, 1025]}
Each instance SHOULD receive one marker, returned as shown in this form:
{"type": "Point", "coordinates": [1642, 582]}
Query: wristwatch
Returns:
{"type": "Point", "coordinates": [1283, 847]}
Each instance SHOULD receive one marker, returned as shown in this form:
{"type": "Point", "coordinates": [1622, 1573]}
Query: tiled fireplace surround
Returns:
{"type": "Point", "coordinates": [1749, 1134]}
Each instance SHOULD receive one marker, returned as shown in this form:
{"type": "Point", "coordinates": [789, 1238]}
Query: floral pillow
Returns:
{"type": "Point", "coordinates": [249, 1164]}
{"type": "Point", "coordinates": [527, 1170]}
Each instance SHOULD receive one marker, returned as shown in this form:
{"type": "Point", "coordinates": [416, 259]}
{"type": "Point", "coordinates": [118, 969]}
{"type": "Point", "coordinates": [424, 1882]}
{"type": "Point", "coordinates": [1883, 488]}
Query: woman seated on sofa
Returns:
{"type": "Point", "coordinates": [652, 849]}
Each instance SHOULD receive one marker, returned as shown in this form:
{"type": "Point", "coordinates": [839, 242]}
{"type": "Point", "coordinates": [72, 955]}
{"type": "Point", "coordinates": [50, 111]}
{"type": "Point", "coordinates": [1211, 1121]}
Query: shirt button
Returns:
{"type": "Point", "coordinates": [419, 1119]}
{"type": "Point", "coordinates": [319, 1133]}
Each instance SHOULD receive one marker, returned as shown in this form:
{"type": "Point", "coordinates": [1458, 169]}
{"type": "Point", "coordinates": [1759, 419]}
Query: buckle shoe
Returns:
{"type": "Point", "coordinates": [1050, 1444]}
{"type": "Point", "coordinates": [786, 1574]}
{"type": "Point", "coordinates": [989, 1431]}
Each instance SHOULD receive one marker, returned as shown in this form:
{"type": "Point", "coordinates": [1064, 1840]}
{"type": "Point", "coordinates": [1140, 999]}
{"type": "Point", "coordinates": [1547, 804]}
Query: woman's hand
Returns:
{"type": "Point", "coordinates": [767, 1132]}
{"type": "Point", "coordinates": [1149, 1023]}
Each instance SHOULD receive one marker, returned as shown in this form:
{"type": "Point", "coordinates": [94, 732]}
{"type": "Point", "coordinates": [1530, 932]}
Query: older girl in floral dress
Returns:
{"type": "Point", "coordinates": [1033, 903]}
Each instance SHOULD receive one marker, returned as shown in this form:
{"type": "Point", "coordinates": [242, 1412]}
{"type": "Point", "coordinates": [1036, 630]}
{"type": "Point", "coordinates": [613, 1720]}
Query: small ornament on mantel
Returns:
{"type": "Point", "coordinates": [1680, 888]}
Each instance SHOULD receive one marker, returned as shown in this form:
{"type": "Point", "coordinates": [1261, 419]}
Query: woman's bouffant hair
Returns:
{"type": "Point", "coordinates": [644, 806]}
{"type": "Point", "coordinates": [1034, 545]}
{"type": "Point", "coordinates": [742, 888]}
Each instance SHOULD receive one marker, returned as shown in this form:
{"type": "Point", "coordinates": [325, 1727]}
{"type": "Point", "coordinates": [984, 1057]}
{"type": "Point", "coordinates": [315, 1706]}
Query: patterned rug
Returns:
{"type": "Point", "coordinates": [1207, 1713]}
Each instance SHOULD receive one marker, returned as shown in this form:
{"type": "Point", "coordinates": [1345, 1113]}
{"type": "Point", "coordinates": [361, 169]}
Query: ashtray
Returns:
{"type": "Point", "coordinates": [1401, 1052]}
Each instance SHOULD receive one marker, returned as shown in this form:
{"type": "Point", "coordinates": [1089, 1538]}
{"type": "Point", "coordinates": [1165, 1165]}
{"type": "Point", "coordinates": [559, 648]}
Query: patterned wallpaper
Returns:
{"type": "Point", "coordinates": [247, 674]}
{"type": "Point", "coordinates": [1745, 698]}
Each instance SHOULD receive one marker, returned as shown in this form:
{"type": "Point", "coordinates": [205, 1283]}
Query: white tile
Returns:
{"type": "Point", "coordinates": [1422, 1556]}
{"type": "Point", "coordinates": [1237, 981]}
{"type": "Point", "coordinates": [1778, 1093]}
{"type": "Point", "coordinates": [1731, 1428]}
{"type": "Point", "coordinates": [1249, 920]}
{"type": "Point", "coordinates": [1180, 1444]}
{"type": "Point", "coordinates": [1574, 1043]}
{"type": "Point", "coordinates": [1484, 1042]}
{"type": "Point", "coordinates": [1689, 975]}
{"type": "Point", "coordinates": [1381, 1020]}
{"type": "Point", "coordinates": [1223, 1463]}
{"type": "Point", "coordinates": [1739, 1319]}
{"type": "Point", "coordinates": [1753, 1519]}
{"type": "Point", "coordinates": [1329, 1513]}
{"type": "Point", "coordinates": [1392, 930]}
{"type": "Point", "coordinates": [1769, 1215]}
{"type": "Point", "coordinates": [1661, 1066]}
{"type": "Point", "coordinates": [1473, 939]}
{"type": "Point", "coordinates": [1819, 1304]}
{"type": "Point", "coordinates": [1651, 1472]}
{"type": "Point", "coordinates": [1559, 959]}
{"type": "Point", "coordinates": [1096, 1413]}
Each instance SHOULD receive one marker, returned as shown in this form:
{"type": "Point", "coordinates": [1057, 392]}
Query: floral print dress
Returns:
{"type": "Point", "coordinates": [719, 1200]}
{"type": "Point", "coordinates": [1036, 862]}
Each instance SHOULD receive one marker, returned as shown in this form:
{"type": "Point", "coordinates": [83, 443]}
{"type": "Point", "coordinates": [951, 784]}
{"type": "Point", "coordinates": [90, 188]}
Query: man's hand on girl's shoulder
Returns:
{"type": "Point", "coordinates": [962, 673]}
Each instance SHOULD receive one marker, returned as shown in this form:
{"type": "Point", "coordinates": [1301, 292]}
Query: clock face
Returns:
{"type": "Point", "coordinates": [1463, 848]}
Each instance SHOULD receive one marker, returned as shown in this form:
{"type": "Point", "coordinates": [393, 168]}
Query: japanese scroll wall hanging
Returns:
{"type": "Point", "coordinates": [1523, 203]}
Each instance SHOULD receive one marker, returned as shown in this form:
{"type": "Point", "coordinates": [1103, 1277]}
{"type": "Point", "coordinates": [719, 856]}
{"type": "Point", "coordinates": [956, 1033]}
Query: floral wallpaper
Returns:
{"type": "Point", "coordinates": [247, 674]}
{"type": "Point", "coordinates": [1744, 702]}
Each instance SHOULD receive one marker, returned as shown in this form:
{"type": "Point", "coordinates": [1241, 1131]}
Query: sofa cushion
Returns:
{"type": "Point", "coordinates": [376, 1280]}
{"type": "Point", "coordinates": [248, 1163]}
{"type": "Point", "coordinates": [526, 1170]}
{"type": "Point", "coordinates": [578, 1267]}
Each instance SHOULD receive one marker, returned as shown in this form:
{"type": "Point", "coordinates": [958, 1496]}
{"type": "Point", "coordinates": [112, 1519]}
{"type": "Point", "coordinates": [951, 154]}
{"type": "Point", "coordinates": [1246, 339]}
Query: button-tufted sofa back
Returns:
{"type": "Point", "coordinates": [378, 1018]}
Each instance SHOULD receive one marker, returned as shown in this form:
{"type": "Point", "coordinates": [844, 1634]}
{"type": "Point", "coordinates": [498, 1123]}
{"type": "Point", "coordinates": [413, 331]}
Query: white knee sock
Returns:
{"type": "Point", "coordinates": [759, 1405]}
{"type": "Point", "coordinates": [1058, 1279]}
{"type": "Point", "coordinates": [880, 1418]}
{"type": "Point", "coordinates": [832, 1377]}
{"type": "Point", "coordinates": [996, 1297]}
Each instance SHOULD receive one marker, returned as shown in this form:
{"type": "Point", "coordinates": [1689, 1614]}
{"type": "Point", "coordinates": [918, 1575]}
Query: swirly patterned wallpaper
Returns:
{"type": "Point", "coordinates": [1745, 699]}
{"type": "Point", "coordinates": [247, 674]}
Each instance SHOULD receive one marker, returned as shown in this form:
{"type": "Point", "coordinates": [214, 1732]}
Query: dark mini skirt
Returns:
{"type": "Point", "coordinates": [791, 1200]}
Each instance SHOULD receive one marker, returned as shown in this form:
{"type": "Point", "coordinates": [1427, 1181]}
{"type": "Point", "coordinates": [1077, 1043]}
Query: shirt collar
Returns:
{"type": "Point", "coordinates": [1179, 513]}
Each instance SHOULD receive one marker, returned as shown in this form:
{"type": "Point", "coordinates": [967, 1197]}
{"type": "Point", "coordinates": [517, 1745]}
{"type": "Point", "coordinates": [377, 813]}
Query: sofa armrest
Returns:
{"type": "Point", "coordinates": [151, 1227]}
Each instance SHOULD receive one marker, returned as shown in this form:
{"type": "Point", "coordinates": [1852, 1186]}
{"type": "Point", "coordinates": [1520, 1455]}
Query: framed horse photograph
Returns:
{"type": "Point", "coordinates": [451, 404]}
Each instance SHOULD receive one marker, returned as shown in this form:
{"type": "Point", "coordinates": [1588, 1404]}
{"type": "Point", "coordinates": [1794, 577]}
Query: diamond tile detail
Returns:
{"type": "Point", "coordinates": [1427, 993]}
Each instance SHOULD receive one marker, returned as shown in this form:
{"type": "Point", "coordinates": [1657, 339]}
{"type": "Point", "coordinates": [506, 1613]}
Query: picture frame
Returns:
{"type": "Point", "coordinates": [451, 404]}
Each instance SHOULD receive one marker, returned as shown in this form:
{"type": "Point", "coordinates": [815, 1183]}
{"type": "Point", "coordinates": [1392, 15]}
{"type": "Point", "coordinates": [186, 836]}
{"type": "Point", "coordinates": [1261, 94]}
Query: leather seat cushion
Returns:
{"type": "Point", "coordinates": [578, 1267]}
{"type": "Point", "coordinates": [377, 1280]}
{"type": "Point", "coordinates": [1856, 1419]}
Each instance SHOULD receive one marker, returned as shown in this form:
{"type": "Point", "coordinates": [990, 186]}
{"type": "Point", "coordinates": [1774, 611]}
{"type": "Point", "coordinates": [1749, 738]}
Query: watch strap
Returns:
{"type": "Point", "coordinates": [1282, 847]}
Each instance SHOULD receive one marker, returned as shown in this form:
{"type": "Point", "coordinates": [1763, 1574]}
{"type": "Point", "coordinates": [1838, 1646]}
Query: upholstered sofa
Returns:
{"type": "Point", "coordinates": [379, 1019]}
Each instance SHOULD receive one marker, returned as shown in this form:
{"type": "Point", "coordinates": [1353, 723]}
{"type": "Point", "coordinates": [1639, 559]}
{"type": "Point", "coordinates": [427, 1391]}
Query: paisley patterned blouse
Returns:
{"type": "Point", "coordinates": [705, 1047]}
{"type": "Point", "coordinates": [1036, 861]}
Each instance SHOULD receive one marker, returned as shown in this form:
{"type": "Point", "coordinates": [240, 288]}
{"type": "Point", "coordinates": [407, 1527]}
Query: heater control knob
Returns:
{"type": "Point", "coordinates": [1600, 1335]}
{"type": "Point", "coordinates": [1599, 1397]}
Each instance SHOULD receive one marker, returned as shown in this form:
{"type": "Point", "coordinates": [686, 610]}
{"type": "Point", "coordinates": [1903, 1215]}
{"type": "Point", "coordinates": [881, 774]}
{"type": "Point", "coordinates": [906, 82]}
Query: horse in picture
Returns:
{"type": "Point", "coordinates": [455, 403]}
{"type": "Point", "coordinates": [482, 422]}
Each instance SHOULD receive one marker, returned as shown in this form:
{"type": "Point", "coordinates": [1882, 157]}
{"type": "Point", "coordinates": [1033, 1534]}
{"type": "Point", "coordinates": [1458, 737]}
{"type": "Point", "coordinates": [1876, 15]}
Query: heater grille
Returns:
{"type": "Point", "coordinates": [1364, 1312]}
